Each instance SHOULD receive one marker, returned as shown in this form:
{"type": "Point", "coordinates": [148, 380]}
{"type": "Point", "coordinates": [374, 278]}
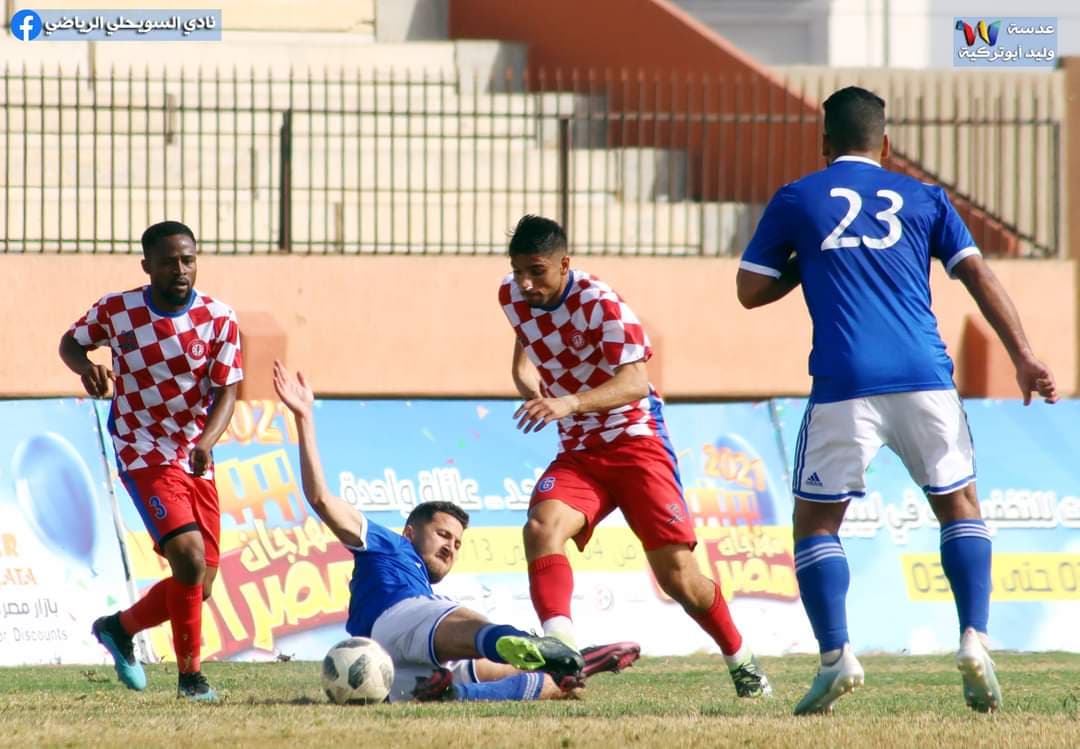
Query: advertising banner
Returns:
{"type": "Point", "coordinates": [283, 583]}
{"type": "Point", "coordinates": [61, 565]}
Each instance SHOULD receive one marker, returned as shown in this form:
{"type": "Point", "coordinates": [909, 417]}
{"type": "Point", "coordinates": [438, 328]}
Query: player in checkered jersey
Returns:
{"type": "Point", "coordinates": [579, 360]}
{"type": "Point", "coordinates": [176, 365]}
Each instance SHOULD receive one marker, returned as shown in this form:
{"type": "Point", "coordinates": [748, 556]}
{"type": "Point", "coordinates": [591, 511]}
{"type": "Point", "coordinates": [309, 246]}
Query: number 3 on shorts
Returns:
{"type": "Point", "coordinates": [159, 509]}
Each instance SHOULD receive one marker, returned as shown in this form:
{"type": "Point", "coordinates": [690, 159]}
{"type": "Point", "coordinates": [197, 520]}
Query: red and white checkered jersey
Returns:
{"type": "Point", "coordinates": [577, 346]}
{"type": "Point", "coordinates": [164, 365]}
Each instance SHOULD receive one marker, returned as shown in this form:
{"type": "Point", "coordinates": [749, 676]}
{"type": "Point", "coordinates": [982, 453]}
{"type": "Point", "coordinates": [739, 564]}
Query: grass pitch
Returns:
{"type": "Point", "coordinates": [663, 702]}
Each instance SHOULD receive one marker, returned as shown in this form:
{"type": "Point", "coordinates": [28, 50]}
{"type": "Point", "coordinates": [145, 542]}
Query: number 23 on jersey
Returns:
{"type": "Point", "coordinates": [891, 226]}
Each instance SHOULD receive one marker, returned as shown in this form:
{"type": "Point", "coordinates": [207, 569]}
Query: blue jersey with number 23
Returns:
{"type": "Point", "coordinates": [864, 238]}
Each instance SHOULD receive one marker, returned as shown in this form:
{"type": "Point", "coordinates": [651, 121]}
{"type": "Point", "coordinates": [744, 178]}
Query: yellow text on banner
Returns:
{"type": "Point", "coordinates": [1024, 576]}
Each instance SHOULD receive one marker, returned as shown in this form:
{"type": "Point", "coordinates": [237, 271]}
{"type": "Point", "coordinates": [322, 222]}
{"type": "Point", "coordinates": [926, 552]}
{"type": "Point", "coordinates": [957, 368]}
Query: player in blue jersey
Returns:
{"type": "Point", "coordinates": [860, 240]}
{"type": "Point", "coordinates": [392, 601]}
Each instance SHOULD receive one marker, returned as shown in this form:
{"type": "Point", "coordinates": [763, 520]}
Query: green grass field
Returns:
{"type": "Point", "coordinates": [668, 702]}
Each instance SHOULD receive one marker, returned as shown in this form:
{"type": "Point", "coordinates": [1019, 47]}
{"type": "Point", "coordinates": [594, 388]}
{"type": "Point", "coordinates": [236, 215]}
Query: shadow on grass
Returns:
{"type": "Point", "coordinates": [305, 700]}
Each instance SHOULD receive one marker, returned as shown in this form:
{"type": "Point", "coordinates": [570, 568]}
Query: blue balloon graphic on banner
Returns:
{"type": "Point", "coordinates": [56, 494]}
{"type": "Point", "coordinates": [740, 467]}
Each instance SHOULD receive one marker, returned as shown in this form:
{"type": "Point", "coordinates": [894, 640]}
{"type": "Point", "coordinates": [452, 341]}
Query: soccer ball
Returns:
{"type": "Point", "coordinates": [357, 670]}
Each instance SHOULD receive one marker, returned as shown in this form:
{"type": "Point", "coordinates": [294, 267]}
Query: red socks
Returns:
{"type": "Point", "coordinates": [149, 611]}
{"type": "Point", "coordinates": [717, 622]}
{"type": "Point", "coordinates": [551, 586]}
{"type": "Point", "coordinates": [185, 612]}
{"type": "Point", "coordinates": [171, 600]}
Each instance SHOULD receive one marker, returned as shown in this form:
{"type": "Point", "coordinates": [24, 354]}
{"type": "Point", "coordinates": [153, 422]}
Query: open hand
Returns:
{"type": "Point", "coordinates": [535, 414]}
{"type": "Point", "coordinates": [294, 392]}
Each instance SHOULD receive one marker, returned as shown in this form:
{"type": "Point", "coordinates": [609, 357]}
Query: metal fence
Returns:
{"type": "Point", "coordinates": [368, 162]}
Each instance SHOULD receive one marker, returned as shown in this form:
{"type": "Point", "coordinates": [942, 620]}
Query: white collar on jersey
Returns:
{"type": "Point", "coordinates": [860, 159]}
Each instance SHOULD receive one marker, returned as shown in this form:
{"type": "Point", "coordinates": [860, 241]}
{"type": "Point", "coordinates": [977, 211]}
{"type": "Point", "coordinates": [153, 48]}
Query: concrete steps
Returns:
{"type": "Point", "coordinates": [454, 165]}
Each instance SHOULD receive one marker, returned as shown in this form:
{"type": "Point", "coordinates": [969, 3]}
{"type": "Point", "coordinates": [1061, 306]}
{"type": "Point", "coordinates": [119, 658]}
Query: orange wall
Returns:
{"type": "Point", "coordinates": [430, 326]}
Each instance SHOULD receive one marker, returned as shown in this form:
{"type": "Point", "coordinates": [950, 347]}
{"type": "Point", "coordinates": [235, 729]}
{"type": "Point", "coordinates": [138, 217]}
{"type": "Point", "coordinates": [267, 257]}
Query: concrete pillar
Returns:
{"type": "Point", "coordinates": [262, 339]}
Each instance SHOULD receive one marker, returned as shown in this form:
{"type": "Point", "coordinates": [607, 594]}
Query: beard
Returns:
{"type": "Point", "coordinates": [174, 296]}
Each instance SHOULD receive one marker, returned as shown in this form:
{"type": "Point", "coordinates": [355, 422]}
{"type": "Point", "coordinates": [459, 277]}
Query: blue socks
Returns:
{"type": "Point", "coordinates": [524, 686]}
{"type": "Point", "coordinates": [489, 634]}
{"type": "Point", "coordinates": [965, 557]}
{"type": "Point", "coordinates": [822, 571]}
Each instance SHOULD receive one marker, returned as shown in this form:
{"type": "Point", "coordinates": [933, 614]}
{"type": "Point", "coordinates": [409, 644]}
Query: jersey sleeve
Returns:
{"type": "Point", "coordinates": [772, 244]}
{"type": "Point", "coordinates": [93, 329]}
{"type": "Point", "coordinates": [365, 528]}
{"type": "Point", "coordinates": [378, 539]}
{"type": "Point", "coordinates": [622, 337]}
{"type": "Point", "coordinates": [227, 366]}
{"type": "Point", "coordinates": [950, 240]}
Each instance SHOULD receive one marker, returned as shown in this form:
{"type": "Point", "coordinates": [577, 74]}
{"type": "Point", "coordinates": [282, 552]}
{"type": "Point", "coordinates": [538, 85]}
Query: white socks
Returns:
{"type": "Point", "coordinates": [560, 627]}
{"type": "Point", "coordinates": [740, 657]}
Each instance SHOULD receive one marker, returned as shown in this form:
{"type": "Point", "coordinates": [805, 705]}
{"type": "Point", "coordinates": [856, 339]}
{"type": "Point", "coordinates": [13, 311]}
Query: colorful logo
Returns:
{"type": "Point", "coordinates": [987, 32]}
{"type": "Point", "coordinates": [546, 484]}
{"type": "Point", "coordinates": [25, 25]}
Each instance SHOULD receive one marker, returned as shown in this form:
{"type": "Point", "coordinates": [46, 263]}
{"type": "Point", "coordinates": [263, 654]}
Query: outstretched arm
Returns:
{"type": "Point", "coordinates": [347, 523]}
{"type": "Point", "coordinates": [994, 303]}
{"type": "Point", "coordinates": [630, 383]}
{"type": "Point", "coordinates": [526, 378]}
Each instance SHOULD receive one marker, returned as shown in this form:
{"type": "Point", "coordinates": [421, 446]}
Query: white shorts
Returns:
{"type": "Point", "coordinates": [406, 632]}
{"type": "Point", "coordinates": [927, 429]}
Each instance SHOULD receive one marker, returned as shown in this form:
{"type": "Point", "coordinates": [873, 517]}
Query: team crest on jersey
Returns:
{"type": "Point", "coordinates": [577, 340]}
{"type": "Point", "coordinates": [127, 341]}
{"type": "Point", "coordinates": [547, 484]}
{"type": "Point", "coordinates": [196, 349]}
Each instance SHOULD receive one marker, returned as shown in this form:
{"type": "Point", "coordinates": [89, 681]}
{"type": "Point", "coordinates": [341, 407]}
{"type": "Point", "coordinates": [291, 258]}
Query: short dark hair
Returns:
{"type": "Point", "coordinates": [854, 120]}
{"type": "Point", "coordinates": [425, 511]}
{"type": "Point", "coordinates": [163, 229]}
{"type": "Point", "coordinates": [537, 235]}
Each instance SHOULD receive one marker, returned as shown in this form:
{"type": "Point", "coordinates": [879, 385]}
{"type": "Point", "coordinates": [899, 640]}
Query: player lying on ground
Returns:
{"type": "Point", "coordinates": [579, 360]}
{"type": "Point", "coordinates": [860, 240]}
{"type": "Point", "coordinates": [393, 603]}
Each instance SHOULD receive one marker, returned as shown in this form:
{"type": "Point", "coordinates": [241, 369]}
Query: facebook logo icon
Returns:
{"type": "Point", "coordinates": [25, 25]}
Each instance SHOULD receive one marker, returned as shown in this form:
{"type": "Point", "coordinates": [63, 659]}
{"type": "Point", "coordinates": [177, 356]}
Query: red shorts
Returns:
{"type": "Point", "coordinates": [637, 475]}
{"type": "Point", "coordinates": [171, 502]}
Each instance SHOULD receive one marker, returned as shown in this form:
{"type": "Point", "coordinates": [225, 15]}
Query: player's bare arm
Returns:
{"type": "Point", "coordinates": [343, 519]}
{"type": "Point", "coordinates": [758, 289]}
{"type": "Point", "coordinates": [994, 303]}
{"type": "Point", "coordinates": [630, 384]}
{"type": "Point", "coordinates": [217, 421]}
{"type": "Point", "coordinates": [526, 378]}
{"type": "Point", "coordinates": [95, 377]}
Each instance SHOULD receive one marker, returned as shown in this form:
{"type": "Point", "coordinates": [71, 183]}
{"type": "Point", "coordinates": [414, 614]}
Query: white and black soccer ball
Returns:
{"type": "Point", "coordinates": [357, 670]}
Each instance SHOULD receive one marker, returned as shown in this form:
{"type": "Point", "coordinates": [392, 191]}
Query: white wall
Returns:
{"type": "Point", "coordinates": [776, 32]}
